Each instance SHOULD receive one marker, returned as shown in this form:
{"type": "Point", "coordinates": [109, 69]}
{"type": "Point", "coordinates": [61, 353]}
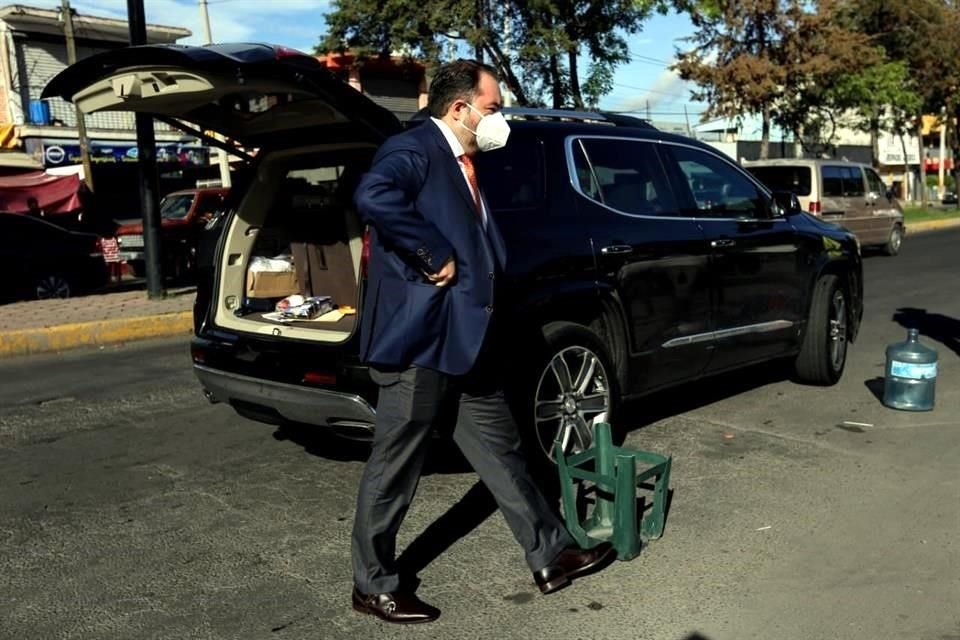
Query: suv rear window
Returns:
{"type": "Point", "coordinates": [625, 175]}
{"type": "Point", "coordinates": [795, 179]}
{"type": "Point", "coordinates": [512, 177]}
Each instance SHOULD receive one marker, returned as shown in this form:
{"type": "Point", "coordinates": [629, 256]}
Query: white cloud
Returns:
{"type": "Point", "coordinates": [666, 89]}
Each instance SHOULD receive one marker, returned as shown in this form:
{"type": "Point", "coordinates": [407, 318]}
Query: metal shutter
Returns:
{"type": "Point", "coordinates": [45, 60]}
{"type": "Point", "coordinates": [395, 92]}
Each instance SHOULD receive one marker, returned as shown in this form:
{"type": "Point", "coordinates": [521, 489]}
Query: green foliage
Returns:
{"type": "Point", "coordinates": [770, 58]}
{"type": "Point", "coordinates": [537, 45]}
{"type": "Point", "coordinates": [949, 182]}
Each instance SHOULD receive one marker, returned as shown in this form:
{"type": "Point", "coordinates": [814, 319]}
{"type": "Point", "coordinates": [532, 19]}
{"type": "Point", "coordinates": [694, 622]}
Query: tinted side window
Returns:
{"type": "Point", "coordinates": [784, 178]}
{"type": "Point", "coordinates": [852, 182]}
{"type": "Point", "coordinates": [584, 179]}
{"type": "Point", "coordinates": [717, 189]}
{"type": "Point", "coordinates": [832, 182]}
{"type": "Point", "coordinates": [625, 175]}
{"type": "Point", "coordinates": [875, 184]}
{"type": "Point", "coordinates": [512, 177]}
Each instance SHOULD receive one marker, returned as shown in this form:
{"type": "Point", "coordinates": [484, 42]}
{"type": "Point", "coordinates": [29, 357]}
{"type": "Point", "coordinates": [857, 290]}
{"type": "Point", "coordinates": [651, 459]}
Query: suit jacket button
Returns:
{"type": "Point", "coordinates": [489, 309]}
{"type": "Point", "coordinates": [490, 275]}
{"type": "Point", "coordinates": [421, 252]}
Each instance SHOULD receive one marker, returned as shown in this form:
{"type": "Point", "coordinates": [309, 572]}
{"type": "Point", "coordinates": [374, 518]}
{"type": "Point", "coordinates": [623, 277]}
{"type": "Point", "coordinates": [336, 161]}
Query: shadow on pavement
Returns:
{"type": "Point", "coordinates": [936, 326]}
{"type": "Point", "coordinates": [463, 517]}
{"type": "Point", "coordinates": [442, 458]}
{"type": "Point", "coordinates": [478, 503]}
{"type": "Point", "coordinates": [636, 414]}
{"type": "Point", "coordinates": [875, 385]}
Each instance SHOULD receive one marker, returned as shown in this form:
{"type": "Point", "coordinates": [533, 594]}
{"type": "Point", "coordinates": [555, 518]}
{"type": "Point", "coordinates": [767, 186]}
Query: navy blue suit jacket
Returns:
{"type": "Point", "coordinates": [421, 212]}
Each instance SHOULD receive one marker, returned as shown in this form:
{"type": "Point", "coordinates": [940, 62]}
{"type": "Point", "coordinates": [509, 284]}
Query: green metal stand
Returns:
{"type": "Point", "coordinates": [615, 474]}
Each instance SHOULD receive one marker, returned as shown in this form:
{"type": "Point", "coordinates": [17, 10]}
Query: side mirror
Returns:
{"type": "Point", "coordinates": [891, 195]}
{"type": "Point", "coordinates": [785, 203]}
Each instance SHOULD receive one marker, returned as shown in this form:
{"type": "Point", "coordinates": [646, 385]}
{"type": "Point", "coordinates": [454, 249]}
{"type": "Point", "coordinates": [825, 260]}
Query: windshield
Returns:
{"type": "Point", "coordinates": [794, 179]}
{"type": "Point", "coordinates": [176, 207]}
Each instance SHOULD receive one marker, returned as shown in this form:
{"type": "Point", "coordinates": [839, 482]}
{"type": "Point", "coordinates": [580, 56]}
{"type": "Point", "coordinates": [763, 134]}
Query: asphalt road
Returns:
{"type": "Point", "coordinates": [131, 508]}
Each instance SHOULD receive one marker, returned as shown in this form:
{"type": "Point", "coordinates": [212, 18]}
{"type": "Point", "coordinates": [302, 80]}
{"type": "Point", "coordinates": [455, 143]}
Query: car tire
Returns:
{"type": "Point", "coordinates": [573, 381]}
{"type": "Point", "coordinates": [51, 286]}
{"type": "Point", "coordinates": [138, 268]}
{"type": "Point", "coordinates": [894, 242]}
{"type": "Point", "coordinates": [823, 353]}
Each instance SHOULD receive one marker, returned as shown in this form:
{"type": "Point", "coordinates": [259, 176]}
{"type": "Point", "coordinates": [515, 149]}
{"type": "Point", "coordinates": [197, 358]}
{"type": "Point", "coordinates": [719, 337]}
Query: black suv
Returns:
{"type": "Point", "coordinates": [637, 260]}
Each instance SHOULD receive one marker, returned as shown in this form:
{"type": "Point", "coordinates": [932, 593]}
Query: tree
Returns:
{"type": "Point", "coordinates": [921, 36]}
{"type": "Point", "coordinates": [770, 58]}
{"type": "Point", "coordinates": [881, 97]}
{"type": "Point", "coordinates": [551, 39]}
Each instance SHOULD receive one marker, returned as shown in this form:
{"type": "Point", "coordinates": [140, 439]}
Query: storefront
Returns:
{"type": "Point", "coordinates": [56, 153]}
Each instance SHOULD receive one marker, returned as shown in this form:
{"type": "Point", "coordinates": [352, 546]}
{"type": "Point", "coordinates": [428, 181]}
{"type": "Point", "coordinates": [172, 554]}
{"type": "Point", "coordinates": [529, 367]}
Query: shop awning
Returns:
{"type": "Point", "coordinates": [54, 194]}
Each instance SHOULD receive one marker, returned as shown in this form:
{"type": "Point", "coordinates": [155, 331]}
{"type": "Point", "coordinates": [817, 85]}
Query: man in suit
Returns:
{"type": "Point", "coordinates": [427, 332]}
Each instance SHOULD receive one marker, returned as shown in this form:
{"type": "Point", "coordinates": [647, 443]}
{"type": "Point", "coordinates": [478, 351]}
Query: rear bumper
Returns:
{"type": "Point", "coordinates": [277, 402]}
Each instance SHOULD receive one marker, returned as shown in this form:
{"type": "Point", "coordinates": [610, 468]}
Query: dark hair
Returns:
{"type": "Point", "coordinates": [455, 80]}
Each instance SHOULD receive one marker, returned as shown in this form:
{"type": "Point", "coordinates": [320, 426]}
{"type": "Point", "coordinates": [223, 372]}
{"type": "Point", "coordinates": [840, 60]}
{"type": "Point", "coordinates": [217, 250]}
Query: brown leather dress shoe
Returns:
{"type": "Point", "coordinates": [571, 563]}
{"type": "Point", "coordinates": [399, 607]}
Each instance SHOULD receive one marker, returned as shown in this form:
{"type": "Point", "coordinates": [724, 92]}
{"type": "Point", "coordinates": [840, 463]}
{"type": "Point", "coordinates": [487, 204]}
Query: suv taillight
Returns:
{"type": "Point", "coordinates": [97, 248]}
{"type": "Point", "coordinates": [365, 254]}
{"type": "Point", "coordinates": [814, 207]}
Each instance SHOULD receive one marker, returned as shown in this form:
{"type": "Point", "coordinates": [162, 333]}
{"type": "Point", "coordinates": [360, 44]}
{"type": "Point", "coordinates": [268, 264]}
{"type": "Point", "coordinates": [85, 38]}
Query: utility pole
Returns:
{"type": "Point", "coordinates": [222, 158]}
{"type": "Point", "coordinates": [67, 17]}
{"type": "Point", "coordinates": [147, 159]}
{"type": "Point", "coordinates": [507, 51]}
{"type": "Point", "coordinates": [943, 152]}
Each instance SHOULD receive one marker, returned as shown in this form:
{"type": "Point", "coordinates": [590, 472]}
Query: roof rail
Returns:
{"type": "Point", "coordinates": [602, 117]}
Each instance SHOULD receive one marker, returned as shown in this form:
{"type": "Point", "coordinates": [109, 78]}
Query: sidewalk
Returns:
{"type": "Point", "coordinates": [932, 225]}
{"type": "Point", "coordinates": [41, 326]}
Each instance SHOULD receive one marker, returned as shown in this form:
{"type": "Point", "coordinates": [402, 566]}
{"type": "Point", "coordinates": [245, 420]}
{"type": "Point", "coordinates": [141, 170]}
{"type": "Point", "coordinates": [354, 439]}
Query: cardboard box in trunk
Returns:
{"type": "Point", "coordinates": [269, 284]}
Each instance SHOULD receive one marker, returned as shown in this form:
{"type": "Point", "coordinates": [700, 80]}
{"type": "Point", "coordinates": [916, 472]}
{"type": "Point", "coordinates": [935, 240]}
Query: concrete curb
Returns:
{"type": "Point", "coordinates": [91, 334]}
{"type": "Point", "coordinates": [932, 225]}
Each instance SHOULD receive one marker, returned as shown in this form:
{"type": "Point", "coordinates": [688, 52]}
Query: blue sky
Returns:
{"type": "Point", "coordinates": [299, 23]}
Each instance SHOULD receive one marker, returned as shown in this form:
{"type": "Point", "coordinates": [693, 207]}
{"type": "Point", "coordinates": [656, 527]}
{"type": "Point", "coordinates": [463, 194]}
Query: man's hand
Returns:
{"type": "Point", "coordinates": [446, 275]}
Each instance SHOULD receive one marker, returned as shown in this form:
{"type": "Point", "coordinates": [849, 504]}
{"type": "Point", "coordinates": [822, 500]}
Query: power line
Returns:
{"type": "Point", "coordinates": [656, 91]}
{"type": "Point", "coordinates": [662, 65]}
{"type": "Point", "coordinates": [639, 57]}
{"type": "Point", "coordinates": [658, 113]}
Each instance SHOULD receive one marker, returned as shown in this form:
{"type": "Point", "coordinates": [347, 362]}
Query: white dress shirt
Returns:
{"type": "Point", "coordinates": [457, 149]}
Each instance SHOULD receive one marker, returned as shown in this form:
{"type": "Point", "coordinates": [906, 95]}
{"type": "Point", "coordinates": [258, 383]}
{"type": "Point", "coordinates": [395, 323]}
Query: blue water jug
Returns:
{"type": "Point", "coordinates": [39, 112]}
{"type": "Point", "coordinates": [911, 375]}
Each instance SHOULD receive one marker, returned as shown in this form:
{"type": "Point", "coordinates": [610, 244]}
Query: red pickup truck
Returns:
{"type": "Point", "coordinates": [182, 217]}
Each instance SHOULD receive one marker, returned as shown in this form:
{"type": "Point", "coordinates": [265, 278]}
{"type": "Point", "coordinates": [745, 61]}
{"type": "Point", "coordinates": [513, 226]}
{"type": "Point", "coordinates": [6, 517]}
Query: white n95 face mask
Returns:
{"type": "Point", "coordinates": [492, 131]}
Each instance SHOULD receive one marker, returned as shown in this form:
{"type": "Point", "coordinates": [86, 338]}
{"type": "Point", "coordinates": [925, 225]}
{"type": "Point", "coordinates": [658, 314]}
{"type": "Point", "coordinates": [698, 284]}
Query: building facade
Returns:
{"type": "Point", "coordinates": [32, 51]}
{"type": "Point", "coordinates": [395, 83]}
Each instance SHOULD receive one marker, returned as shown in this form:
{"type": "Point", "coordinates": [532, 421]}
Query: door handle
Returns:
{"type": "Point", "coordinates": [722, 243]}
{"type": "Point", "coordinates": [616, 250]}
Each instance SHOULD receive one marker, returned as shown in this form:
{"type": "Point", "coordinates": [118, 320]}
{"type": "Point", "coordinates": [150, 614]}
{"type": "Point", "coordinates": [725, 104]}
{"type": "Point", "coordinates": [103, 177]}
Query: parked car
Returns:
{"type": "Point", "coordinates": [637, 260]}
{"type": "Point", "coordinates": [40, 260]}
{"type": "Point", "coordinates": [949, 197]}
{"type": "Point", "coordinates": [846, 193]}
{"type": "Point", "coordinates": [183, 214]}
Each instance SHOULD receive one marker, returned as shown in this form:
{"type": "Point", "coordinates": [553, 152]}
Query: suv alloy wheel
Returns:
{"type": "Point", "coordinates": [574, 386]}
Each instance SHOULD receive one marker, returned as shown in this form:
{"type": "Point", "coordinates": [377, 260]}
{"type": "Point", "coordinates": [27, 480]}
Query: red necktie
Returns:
{"type": "Point", "coordinates": [474, 187]}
